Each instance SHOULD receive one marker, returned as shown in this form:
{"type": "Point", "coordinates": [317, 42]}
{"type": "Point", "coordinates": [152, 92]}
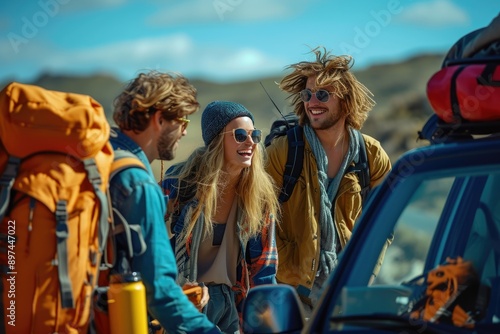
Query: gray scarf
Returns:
{"type": "Point", "coordinates": [328, 189]}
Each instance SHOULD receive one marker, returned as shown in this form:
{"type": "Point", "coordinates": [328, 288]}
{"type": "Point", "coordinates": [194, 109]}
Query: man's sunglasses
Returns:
{"type": "Point", "coordinates": [322, 95]}
{"type": "Point", "coordinates": [241, 135]}
{"type": "Point", "coordinates": [184, 122]}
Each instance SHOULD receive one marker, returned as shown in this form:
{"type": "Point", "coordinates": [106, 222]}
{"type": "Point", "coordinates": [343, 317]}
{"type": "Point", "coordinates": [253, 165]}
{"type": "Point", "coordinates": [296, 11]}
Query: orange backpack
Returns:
{"type": "Point", "coordinates": [55, 162]}
{"type": "Point", "coordinates": [450, 295]}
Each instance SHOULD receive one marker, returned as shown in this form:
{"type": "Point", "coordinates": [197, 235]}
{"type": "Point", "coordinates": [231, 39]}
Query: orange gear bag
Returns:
{"type": "Point", "coordinates": [451, 295]}
{"type": "Point", "coordinates": [55, 160]}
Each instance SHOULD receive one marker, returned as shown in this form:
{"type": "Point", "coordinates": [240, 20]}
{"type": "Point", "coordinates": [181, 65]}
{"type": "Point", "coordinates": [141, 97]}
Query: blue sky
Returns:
{"type": "Point", "coordinates": [222, 40]}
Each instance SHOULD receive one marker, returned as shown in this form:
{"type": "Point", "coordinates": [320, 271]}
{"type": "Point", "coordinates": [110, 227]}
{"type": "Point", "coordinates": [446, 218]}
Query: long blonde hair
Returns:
{"type": "Point", "coordinates": [355, 99]}
{"type": "Point", "coordinates": [255, 188]}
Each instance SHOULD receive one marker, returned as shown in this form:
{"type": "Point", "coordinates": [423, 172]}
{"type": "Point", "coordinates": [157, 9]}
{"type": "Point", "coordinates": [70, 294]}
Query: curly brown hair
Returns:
{"type": "Point", "coordinates": [330, 70]}
{"type": "Point", "coordinates": [170, 94]}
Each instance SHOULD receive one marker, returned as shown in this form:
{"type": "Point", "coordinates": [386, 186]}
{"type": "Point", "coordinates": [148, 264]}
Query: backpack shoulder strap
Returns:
{"type": "Point", "coordinates": [361, 166]}
{"type": "Point", "coordinates": [124, 159]}
{"type": "Point", "coordinates": [295, 160]}
{"type": "Point", "coordinates": [6, 182]}
{"type": "Point", "coordinates": [364, 165]}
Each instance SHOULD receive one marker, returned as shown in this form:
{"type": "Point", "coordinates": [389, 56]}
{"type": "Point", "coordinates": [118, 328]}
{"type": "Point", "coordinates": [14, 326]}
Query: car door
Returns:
{"type": "Point", "coordinates": [439, 202]}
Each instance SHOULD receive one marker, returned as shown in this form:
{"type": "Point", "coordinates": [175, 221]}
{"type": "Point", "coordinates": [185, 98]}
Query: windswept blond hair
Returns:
{"type": "Point", "coordinates": [255, 188]}
{"type": "Point", "coordinates": [330, 70]}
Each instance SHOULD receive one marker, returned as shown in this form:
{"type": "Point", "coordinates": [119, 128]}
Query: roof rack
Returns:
{"type": "Point", "coordinates": [435, 130]}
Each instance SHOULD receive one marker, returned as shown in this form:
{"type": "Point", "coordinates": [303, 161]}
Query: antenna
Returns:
{"type": "Point", "coordinates": [270, 98]}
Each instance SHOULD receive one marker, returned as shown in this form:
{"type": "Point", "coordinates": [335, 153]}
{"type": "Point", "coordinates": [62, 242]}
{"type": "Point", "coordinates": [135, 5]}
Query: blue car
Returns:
{"type": "Point", "coordinates": [441, 274]}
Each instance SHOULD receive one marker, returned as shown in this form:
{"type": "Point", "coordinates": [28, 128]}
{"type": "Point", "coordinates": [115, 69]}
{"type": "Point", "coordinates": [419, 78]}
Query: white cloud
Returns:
{"type": "Point", "coordinates": [228, 64]}
{"type": "Point", "coordinates": [202, 11]}
{"type": "Point", "coordinates": [256, 10]}
{"type": "Point", "coordinates": [183, 12]}
{"type": "Point", "coordinates": [434, 13]}
{"type": "Point", "coordinates": [168, 53]}
{"type": "Point", "coordinates": [87, 5]}
{"type": "Point", "coordinates": [126, 57]}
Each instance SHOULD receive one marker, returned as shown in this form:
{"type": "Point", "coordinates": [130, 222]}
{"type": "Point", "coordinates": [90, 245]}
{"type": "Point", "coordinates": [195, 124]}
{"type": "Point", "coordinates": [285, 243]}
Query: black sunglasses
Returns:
{"type": "Point", "coordinates": [241, 135]}
{"type": "Point", "coordinates": [322, 95]}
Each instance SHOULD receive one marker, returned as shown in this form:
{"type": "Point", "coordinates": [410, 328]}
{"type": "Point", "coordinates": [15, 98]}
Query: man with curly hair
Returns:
{"type": "Point", "coordinates": [318, 219]}
{"type": "Point", "coordinates": [151, 114]}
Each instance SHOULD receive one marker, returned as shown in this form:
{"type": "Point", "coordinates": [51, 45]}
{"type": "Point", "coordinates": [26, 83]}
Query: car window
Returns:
{"type": "Point", "coordinates": [483, 241]}
{"type": "Point", "coordinates": [414, 230]}
{"type": "Point", "coordinates": [436, 217]}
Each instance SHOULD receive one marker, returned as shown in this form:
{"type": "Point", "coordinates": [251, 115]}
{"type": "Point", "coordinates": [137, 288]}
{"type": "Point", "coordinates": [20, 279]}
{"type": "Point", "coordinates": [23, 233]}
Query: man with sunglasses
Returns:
{"type": "Point", "coordinates": [318, 218]}
{"type": "Point", "coordinates": [223, 208]}
{"type": "Point", "coordinates": [151, 114]}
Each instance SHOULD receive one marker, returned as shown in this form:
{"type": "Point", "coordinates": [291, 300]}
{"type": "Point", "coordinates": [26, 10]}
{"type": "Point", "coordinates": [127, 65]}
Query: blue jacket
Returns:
{"type": "Point", "coordinates": [139, 198]}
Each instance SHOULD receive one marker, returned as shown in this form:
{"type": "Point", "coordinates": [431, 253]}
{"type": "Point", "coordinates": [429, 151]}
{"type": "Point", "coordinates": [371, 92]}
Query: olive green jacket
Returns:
{"type": "Point", "coordinates": [298, 228]}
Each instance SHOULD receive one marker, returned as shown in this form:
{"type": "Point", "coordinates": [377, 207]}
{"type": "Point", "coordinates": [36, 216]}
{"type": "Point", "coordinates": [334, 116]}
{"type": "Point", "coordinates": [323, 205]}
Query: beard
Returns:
{"type": "Point", "coordinates": [327, 123]}
{"type": "Point", "coordinates": [166, 154]}
{"type": "Point", "coordinates": [166, 146]}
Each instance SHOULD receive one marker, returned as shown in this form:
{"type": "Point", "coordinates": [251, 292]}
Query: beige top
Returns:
{"type": "Point", "coordinates": [218, 263]}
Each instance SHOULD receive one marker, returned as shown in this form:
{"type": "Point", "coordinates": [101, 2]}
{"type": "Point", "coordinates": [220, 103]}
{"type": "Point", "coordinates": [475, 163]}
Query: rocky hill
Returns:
{"type": "Point", "coordinates": [398, 88]}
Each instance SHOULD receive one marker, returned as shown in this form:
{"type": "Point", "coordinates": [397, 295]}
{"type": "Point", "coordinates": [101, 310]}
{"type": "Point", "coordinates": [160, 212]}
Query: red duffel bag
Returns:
{"type": "Point", "coordinates": [467, 91]}
{"type": "Point", "coordinates": [467, 88]}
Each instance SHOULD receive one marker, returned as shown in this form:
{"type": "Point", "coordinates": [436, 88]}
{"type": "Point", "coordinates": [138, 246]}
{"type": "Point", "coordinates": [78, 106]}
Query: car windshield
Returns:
{"type": "Point", "coordinates": [443, 264]}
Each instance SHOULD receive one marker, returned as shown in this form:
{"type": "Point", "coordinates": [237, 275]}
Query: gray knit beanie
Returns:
{"type": "Point", "coordinates": [216, 116]}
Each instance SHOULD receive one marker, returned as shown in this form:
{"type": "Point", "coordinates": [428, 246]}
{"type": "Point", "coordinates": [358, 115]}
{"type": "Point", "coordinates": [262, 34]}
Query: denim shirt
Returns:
{"type": "Point", "coordinates": [138, 197]}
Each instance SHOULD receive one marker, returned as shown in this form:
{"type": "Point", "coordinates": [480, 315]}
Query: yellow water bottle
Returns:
{"type": "Point", "coordinates": [127, 304]}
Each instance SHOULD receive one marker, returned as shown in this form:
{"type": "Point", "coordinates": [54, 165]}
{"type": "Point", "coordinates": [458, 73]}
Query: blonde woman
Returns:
{"type": "Point", "coordinates": [222, 206]}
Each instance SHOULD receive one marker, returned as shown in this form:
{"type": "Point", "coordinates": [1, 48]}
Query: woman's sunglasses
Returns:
{"type": "Point", "coordinates": [322, 95]}
{"type": "Point", "coordinates": [241, 135]}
